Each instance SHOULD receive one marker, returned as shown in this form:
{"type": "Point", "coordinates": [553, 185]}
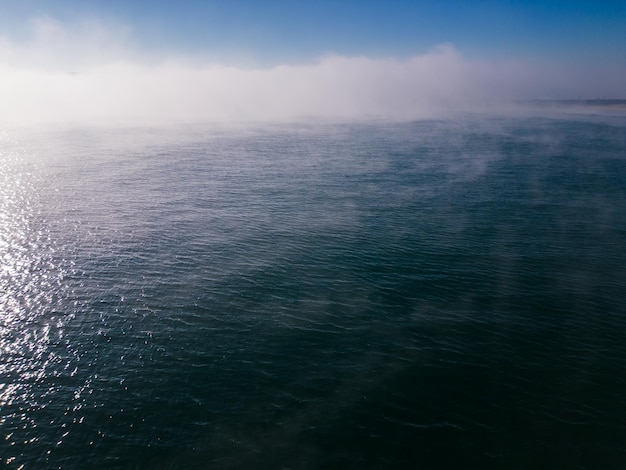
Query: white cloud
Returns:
{"type": "Point", "coordinates": [91, 72]}
{"type": "Point", "coordinates": [54, 46]}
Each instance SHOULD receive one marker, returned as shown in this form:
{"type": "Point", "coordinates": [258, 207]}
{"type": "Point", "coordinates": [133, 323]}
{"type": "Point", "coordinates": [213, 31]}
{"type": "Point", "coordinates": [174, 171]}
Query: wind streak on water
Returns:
{"type": "Point", "coordinates": [378, 294]}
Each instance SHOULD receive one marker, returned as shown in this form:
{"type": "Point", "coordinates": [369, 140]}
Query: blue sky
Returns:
{"type": "Point", "coordinates": [257, 60]}
{"type": "Point", "coordinates": [280, 31]}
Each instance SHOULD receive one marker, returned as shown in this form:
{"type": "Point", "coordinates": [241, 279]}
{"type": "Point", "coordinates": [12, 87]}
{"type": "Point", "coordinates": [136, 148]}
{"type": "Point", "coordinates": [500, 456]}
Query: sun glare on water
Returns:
{"type": "Point", "coordinates": [31, 299]}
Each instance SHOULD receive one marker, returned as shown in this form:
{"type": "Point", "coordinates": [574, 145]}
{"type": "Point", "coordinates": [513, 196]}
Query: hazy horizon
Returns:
{"type": "Point", "coordinates": [103, 63]}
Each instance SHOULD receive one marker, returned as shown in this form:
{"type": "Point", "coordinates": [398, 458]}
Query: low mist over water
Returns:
{"type": "Point", "coordinates": [314, 295]}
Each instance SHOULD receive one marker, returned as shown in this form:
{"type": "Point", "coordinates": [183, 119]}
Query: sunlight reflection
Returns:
{"type": "Point", "coordinates": [31, 298]}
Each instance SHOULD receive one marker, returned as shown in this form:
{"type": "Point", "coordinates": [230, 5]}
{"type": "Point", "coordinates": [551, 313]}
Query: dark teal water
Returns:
{"type": "Point", "coordinates": [434, 294]}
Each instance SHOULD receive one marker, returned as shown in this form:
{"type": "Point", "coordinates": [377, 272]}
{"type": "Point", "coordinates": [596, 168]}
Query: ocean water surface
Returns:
{"type": "Point", "coordinates": [431, 294]}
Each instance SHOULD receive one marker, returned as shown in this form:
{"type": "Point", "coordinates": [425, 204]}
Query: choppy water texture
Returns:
{"type": "Point", "coordinates": [376, 295]}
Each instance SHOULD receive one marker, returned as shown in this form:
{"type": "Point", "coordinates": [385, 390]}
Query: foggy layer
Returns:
{"type": "Point", "coordinates": [93, 73]}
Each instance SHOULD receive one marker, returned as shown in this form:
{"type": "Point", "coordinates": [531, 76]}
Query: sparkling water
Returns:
{"type": "Point", "coordinates": [445, 293]}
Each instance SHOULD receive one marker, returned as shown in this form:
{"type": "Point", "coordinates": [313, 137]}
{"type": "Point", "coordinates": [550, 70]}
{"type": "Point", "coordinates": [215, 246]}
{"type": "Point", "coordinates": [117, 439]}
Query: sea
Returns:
{"type": "Point", "coordinates": [438, 293]}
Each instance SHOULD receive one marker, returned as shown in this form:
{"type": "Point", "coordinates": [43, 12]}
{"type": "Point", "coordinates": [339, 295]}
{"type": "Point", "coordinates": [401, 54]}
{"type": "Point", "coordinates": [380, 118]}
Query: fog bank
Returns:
{"type": "Point", "coordinates": [94, 73]}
